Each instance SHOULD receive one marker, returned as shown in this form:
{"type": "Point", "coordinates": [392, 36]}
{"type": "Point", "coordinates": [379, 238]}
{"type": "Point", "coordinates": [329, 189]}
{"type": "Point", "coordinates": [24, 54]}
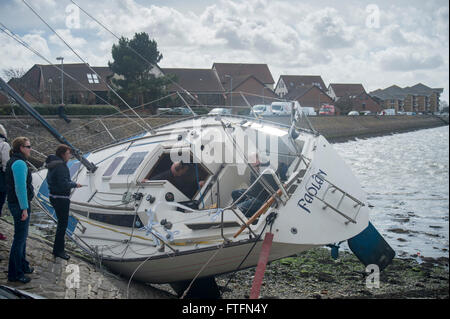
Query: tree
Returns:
{"type": "Point", "coordinates": [135, 63]}
{"type": "Point", "coordinates": [344, 104]}
{"type": "Point", "coordinates": [13, 73]}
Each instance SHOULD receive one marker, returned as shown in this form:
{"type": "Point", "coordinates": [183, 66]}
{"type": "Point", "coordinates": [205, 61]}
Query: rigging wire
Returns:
{"type": "Point", "coordinates": [15, 37]}
{"type": "Point", "coordinates": [137, 53]}
{"type": "Point", "coordinates": [90, 68]}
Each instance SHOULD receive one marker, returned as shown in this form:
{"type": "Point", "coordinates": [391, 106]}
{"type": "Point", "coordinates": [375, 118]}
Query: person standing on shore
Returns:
{"type": "Point", "coordinates": [19, 193]}
{"type": "Point", "coordinates": [60, 185]}
{"type": "Point", "coordinates": [4, 158]}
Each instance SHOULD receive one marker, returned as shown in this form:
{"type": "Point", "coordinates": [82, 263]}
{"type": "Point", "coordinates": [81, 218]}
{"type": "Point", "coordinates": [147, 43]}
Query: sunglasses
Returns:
{"type": "Point", "coordinates": [27, 146]}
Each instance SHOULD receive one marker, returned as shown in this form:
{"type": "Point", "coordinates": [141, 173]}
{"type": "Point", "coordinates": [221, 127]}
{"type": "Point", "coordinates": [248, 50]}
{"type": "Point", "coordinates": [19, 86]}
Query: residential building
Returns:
{"type": "Point", "coordinates": [352, 97]}
{"type": "Point", "coordinates": [288, 83]}
{"type": "Point", "coordinates": [309, 96]}
{"type": "Point", "coordinates": [417, 98]}
{"type": "Point", "coordinates": [42, 84]}
{"type": "Point", "coordinates": [245, 84]}
{"type": "Point", "coordinates": [347, 90]}
{"type": "Point", "coordinates": [203, 84]}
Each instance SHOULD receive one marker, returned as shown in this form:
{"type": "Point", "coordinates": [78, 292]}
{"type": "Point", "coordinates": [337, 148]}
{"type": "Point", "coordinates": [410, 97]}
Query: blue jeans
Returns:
{"type": "Point", "coordinates": [17, 256]}
{"type": "Point", "coordinates": [248, 205]}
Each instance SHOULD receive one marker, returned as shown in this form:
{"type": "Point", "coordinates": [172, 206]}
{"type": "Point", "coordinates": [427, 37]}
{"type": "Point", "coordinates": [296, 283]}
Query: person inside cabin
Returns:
{"type": "Point", "coordinates": [20, 192]}
{"type": "Point", "coordinates": [183, 176]}
{"type": "Point", "coordinates": [4, 158]}
{"type": "Point", "coordinates": [60, 185]}
{"type": "Point", "coordinates": [257, 195]}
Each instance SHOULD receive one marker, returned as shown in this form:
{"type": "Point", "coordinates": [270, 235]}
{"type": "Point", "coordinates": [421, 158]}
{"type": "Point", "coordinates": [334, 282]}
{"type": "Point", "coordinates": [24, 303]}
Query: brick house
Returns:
{"type": "Point", "coordinates": [248, 91]}
{"type": "Point", "coordinates": [42, 84]}
{"type": "Point", "coordinates": [352, 97]}
{"type": "Point", "coordinates": [309, 96]}
{"type": "Point", "coordinates": [288, 83]}
{"type": "Point", "coordinates": [253, 81]}
{"type": "Point", "coordinates": [203, 84]}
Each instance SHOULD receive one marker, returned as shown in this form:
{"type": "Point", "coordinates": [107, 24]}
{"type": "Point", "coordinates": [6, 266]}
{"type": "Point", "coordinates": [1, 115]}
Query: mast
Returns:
{"type": "Point", "coordinates": [27, 107]}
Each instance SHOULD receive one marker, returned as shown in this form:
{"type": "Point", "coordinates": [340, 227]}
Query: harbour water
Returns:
{"type": "Point", "coordinates": [406, 178]}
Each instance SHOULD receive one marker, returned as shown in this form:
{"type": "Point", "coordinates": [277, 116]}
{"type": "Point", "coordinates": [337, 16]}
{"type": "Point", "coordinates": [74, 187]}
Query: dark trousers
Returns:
{"type": "Point", "coordinates": [2, 190]}
{"type": "Point", "coordinates": [248, 205]}
{"type": "Point", "coordinates": [17, 256]}
{"type": "Point", "coordinates": [2, 201]}
{"type": "Point", "coordinates": [61, 206]}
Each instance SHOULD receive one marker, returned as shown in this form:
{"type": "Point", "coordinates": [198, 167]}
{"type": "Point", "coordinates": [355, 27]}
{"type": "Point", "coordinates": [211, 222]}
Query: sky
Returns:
{"type": "Point", "coordinates": [376, 43]}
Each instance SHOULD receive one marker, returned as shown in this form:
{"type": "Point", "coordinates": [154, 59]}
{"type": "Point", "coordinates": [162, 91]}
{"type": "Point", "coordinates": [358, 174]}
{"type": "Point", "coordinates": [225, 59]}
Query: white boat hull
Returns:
{"type": "Point", "coordinates": [189, 264]}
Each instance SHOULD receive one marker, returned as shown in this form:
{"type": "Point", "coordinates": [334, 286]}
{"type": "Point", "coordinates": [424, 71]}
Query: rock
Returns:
{"type": "Point", "coordinates": [322, 276]}
{"type": "Point", "coordinates": [399, 231]}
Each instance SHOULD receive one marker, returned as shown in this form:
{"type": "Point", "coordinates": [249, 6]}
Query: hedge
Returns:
{"type": "Point", "coordinates": [69, 109]}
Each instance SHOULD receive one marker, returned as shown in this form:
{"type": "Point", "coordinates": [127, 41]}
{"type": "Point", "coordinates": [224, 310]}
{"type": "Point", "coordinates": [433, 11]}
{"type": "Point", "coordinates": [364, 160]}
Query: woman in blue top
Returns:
{"type": "Point", "coordinates": [20, 193]}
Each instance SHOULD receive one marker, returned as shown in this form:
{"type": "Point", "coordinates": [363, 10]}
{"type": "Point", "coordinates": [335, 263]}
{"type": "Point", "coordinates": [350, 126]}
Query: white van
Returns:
{"type": "Point", "coordinates": [262, 109]}
{"type": "Point", "coordinates": [281, 108]}
{"type": "Point", "coordinates": [305, 110]}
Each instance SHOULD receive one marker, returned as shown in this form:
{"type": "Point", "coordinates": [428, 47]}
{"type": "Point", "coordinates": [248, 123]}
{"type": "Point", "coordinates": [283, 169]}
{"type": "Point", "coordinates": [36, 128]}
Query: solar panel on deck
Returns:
{"type": "Point", "coordinates": [132, 163]}
{"type": "Point", "coordinates": [112, 167]}
{"type": "Point", "coordinates": [74, 168]}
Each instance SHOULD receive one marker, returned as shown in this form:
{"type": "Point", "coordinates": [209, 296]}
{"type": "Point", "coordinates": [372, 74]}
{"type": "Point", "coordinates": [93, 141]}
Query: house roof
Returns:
{"type": "Point", "coordinates": [292, 81]}
{"type": "Point", "coordinates": [398, 93]}
{"type": "Point", "coordinates": [78, 71]}
{"type": "Point", "coordinates": [195, 80]}
{"type": "Point", "coordinates": [347, 89]}
{"type": "Point", "coordinates": [238, 70]}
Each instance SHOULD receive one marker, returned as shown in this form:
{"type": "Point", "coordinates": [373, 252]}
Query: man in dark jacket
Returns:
{"type": "Point", "coordinates": [60, 185]}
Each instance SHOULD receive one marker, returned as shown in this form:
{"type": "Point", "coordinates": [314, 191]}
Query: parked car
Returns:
{"type": "Point", "coordinates": [262, 109]}
{"type": "Point", "coordinates": [281, 108]}
{"type": "Point", "coordinates": [219, 111]}
{"type": "Point", "coordinates": [353, 113]}
{"type": "Point", "coordinates": [367, 113]}
{"type": "Point", "coordinates": [327, 109]}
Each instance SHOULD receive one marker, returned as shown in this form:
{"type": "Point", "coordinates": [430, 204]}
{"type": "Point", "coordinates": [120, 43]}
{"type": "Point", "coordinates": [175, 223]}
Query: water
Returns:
{"type": "Point", "coordinates": [406, 179]}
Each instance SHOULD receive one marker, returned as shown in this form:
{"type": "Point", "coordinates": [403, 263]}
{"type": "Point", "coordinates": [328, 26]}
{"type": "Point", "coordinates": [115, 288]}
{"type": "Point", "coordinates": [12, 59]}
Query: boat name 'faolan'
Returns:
{"type": "Point", "coordinates": [312, 190]}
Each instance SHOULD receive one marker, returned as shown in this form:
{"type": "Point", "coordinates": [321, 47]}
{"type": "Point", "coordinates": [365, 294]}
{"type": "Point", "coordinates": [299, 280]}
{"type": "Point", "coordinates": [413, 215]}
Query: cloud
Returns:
{"type": "Point", "coordinates": [406, 60]}
{"type": "Point", "coordinates": [292, 37]}
{"type": "Point", "coordinates": [329, 30]}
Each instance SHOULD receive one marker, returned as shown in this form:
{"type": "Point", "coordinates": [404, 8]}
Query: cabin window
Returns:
{"type": "Point", "coordinates": [132, 163]}
{"type": "Point", "coordinates": [188, 183]}
{"type": "Point", "coordinates": [124, 220]}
